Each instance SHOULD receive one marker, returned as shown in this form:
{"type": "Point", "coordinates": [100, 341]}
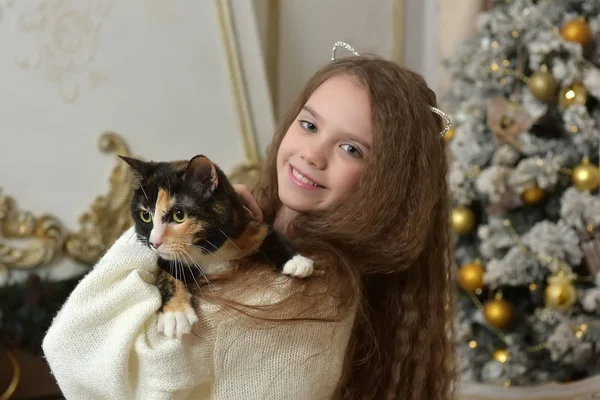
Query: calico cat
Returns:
{"type": "Point", "coordinates": [190, 215]}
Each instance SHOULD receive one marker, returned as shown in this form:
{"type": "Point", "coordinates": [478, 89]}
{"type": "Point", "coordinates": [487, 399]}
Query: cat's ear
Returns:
{"type": "Point", "coordinates": [201, 170]}
{"type": "Point", "coordinates": [141, 170]}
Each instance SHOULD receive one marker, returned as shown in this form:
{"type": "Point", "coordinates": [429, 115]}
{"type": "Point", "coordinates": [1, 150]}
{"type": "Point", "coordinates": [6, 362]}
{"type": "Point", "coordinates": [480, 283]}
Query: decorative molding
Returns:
{"type": "Point", "coordinates": [398, 15]}
{"type": "Point", "coordinates": [272, 51]}
{"type": "Point", "coordinates": [238, 84]}
{"type": "Point", "coordinates": [584, 389]}
{"type": "Point", "coordinates": [65, 37]}
{"type": "Point", "coordinates": [40, 240]}
{"type": "Point", "coordinates": [16, 376]}
{"type": "Point", "coordinates": [108, 216]}
{"type": "Point", "coordinates": [246, 172]}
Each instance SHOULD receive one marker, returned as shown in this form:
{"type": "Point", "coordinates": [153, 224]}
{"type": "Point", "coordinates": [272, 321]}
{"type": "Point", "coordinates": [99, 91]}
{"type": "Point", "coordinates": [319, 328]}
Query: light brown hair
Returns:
{"type": "Point", "coordinates": [386, 247]}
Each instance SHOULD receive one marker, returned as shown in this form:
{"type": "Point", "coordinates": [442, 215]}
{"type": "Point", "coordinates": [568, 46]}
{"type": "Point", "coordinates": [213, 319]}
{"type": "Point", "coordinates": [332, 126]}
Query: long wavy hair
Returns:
{"type": "Point", "coordinates": [386, 248]}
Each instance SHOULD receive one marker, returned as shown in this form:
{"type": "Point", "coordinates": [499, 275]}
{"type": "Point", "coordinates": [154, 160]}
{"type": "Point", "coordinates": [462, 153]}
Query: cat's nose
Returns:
{"type": "Point", "coordinates": [156, 242]}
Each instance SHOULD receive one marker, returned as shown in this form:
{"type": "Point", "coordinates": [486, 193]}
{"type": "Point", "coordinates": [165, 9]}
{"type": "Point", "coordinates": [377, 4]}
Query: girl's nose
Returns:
{"type": "Point", "coordinates": [315, 155]}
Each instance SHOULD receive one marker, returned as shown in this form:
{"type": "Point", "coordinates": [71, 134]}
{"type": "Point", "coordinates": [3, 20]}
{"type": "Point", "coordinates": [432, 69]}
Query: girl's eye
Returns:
{"type": "Point", "coordinates": [145, 216]}
{"type": "Point", "coordinates": [309, 126]}
{"type": "Point", "coordinates": [179, 216]}
{"type": "Point", "coordinates": [352, 150]}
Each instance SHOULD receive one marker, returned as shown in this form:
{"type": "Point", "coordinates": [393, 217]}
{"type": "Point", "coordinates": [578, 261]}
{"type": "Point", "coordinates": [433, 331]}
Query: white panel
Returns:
{"type": "Point", "coordinates": [153, 71]}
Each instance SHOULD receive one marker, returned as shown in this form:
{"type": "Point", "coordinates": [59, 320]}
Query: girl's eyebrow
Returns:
{"type": "Point", "coordinates": [358, 140]}
{"type": "Point", "coordinates": [351, 136]}
{"type": "Point", "coordinates": [312, 112]}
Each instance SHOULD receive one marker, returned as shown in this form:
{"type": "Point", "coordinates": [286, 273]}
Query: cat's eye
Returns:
{"type": "Point", "coordinates": [179, 216]}
{"type": "Point", "coordinates": [145, 216]}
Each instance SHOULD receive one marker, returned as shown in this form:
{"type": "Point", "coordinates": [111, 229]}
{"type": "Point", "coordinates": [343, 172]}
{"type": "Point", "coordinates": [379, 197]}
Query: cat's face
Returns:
{"type": "Point", "coordinates": [184, 211]}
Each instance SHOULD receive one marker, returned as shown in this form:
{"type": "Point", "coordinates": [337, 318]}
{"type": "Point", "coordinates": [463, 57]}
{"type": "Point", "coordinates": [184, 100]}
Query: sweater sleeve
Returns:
{"type": "Point", "coordinates": [103, 343]}
{"type": "Point", "coordinates": [295, 361]}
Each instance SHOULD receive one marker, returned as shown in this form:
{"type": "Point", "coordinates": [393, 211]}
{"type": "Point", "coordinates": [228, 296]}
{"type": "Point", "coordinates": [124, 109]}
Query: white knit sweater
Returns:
{"type": "Point", "coordinates": [103, 344]}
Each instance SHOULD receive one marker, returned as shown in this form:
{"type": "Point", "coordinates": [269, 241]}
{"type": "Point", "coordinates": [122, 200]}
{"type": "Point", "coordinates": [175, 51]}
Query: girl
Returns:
{"type": "Point", "coordinates": [356, 178]}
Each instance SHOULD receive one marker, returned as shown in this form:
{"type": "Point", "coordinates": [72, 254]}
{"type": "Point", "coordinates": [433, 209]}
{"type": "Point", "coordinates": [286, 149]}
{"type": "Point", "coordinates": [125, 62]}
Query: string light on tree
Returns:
{"type": "Point", "coordinates": [463, 220]}
{"type": "Point", "coordinates": [501, 355]}
{"type": "Point", "coordinates": [576, 30]}
{"type": "Point", "coordinates": [586, 176]}
{"type": "Point", "coordinates": [573, 94]}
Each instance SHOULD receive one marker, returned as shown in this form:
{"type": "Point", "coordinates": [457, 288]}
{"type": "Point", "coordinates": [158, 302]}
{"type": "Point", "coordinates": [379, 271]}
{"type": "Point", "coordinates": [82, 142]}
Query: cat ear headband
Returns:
{"type": "Point", "coordinates": [443, 115]}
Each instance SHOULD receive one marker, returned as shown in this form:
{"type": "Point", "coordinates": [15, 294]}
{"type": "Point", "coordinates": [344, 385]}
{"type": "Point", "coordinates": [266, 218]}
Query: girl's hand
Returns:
{"type": "Point", "coordinates": [248, 200]}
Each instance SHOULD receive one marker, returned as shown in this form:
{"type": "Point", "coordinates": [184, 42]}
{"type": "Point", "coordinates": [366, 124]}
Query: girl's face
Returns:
{"type": "Point", "coordinates": [321, 156]}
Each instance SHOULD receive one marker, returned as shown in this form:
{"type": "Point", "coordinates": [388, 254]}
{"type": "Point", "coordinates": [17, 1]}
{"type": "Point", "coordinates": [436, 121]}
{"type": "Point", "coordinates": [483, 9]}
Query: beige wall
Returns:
{"type": "Point", "coordinates": [422, 31]}
{"type": "Point", "coordinates": [456, 20]}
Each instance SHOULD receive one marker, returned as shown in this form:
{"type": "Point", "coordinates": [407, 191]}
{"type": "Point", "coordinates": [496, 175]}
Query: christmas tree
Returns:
{"type": "Point", "coordinates": [525, 104]}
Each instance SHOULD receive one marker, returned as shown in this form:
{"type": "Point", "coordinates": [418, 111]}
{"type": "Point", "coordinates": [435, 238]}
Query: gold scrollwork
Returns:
{"type": "Point", "coordinates": [16, 376]}
{"type": "Point", "coordinates": [46, 236]}
{"type": "Point", "coordinates": [109, 215]}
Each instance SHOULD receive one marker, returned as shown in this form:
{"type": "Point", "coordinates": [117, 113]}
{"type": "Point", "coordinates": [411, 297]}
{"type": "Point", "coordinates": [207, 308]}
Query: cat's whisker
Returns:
{"type": "Point", "coordinates": [203, 249]}
{"type": "Point", "coordinates": [209, 242]}
{"type": "Point", "coordinates": [190, 267]}
{"type": "Point", "coordinates": [230, 241]}
{"type": "Point", "coordinates": [140, 186]}
{"type": "Point", "coordinates": [183, 266]}
{"type": "Point", "coordinates": [210, 285]}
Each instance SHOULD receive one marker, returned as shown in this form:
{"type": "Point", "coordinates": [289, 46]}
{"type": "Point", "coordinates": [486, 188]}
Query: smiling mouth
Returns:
{"type": "Point", "coordinates": [301, 178]}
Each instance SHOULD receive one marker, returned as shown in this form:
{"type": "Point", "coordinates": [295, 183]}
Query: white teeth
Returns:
{"type": "Point", "coordinates": [303, 179]}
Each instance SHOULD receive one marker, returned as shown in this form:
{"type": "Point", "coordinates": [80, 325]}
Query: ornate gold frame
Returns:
{"type": "Point", "coordinates": [109, 216]}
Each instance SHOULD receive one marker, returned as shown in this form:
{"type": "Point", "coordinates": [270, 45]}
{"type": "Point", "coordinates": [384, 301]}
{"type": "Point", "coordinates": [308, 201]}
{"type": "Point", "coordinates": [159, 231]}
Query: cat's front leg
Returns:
{"type": "Point", "coordinates": [176, 316]}
{"type": "Point", "coordinates": [298, 266]}
{"type": "Point", "coordinates": [279, 251]}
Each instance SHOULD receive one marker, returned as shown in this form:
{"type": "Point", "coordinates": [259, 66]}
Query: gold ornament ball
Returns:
{"type": "Point", "coordinates": [576, 30]}
{"type": "Point", "coordinates": [501, 355]}
{"type": "Point", "coordinates": [586, 176]}
{"type": "Point", "coordinates": [533, 195]}
{"type": "Point", "coordinates": [542, 85]}
{"type": "Point", "coordinates": [498, 313]}
{"type": "Point", "coordinates": [560, 295]}
{"type": "Point", "coordinates": [463, 220]}
{"type": "Point", "coordinates": [470, 276]}
{"type": "Point", "coordinates": [573, 94]}
{"type": "Point", "coordinates": [449, 135]}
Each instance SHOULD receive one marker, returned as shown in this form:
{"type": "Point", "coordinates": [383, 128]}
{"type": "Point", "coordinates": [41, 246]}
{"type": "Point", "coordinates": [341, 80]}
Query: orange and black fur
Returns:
{"type": "Point", "coordinates": [190, 215]}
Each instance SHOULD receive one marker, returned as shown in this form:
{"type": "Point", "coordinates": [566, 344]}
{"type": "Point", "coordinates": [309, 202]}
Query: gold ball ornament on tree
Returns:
{"type": "Point", "coordinates": [573, 94]}
{"type": "Point", "coordinates": [576, 30]}
{"type": "Point", "coordinates": [498, 313]}
{"type": "Point", "coordinates": [560, 294]}
{"type": "Point", "coordinates": [533, 195]}
{"type": "Point", "coordinates": [470, 276]}
{"type": "Point", "coordinates": [463, 220]}
{"type": "Point", "coordinates": [450, 134]}
{"type": "Point", "coordinates": [542, 85]}
{"type": "Point", "coordinates": [586, 176]}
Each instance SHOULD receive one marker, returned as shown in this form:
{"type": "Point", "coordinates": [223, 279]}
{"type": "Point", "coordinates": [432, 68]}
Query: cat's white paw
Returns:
{"type": "Point", "coordinates": [176, 323]}
{"type": "Point", "coordinates": [299, 266]}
